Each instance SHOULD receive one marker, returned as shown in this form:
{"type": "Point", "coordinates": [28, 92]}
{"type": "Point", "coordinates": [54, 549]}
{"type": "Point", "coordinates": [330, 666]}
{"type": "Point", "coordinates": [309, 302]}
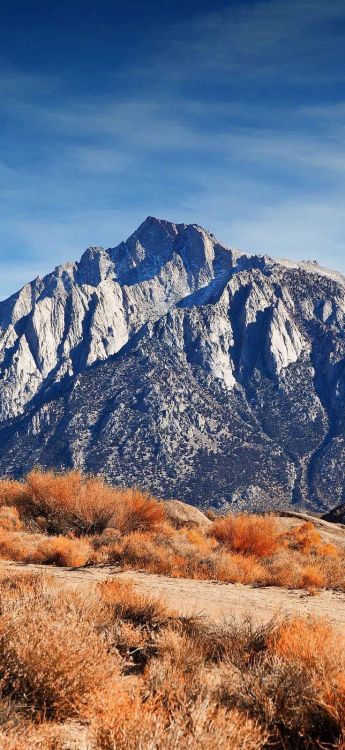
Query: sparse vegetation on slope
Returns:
{"type": "Point", "coordinates": [71, 520]}
{"type": "Point", "coordinates": [108, 668]}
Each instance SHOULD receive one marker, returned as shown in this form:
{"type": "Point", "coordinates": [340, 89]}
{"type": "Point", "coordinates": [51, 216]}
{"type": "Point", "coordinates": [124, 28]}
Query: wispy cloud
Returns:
{"type": "Point", "coordinates": [263, 40]}
{"type": "Point", "coordinates": [225, 120]}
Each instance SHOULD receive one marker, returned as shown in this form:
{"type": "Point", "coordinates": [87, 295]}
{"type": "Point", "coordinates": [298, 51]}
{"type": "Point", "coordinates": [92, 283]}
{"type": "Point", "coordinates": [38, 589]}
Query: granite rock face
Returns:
{"type": "Point", "coordinates": [177, 364]}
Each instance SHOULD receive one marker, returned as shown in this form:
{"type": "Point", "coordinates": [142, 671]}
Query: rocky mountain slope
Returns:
{"type": "Point", "coordinates": [180, 365]}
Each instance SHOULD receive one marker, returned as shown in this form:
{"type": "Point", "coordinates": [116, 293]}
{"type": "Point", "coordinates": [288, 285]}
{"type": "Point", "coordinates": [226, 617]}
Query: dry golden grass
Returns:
{"type": "Point", "coordinates": [36, 548]}
{"type": "Point", "coordinates": [69, 502]}
{"type": "Point", "coordinates": [19, 546]}
{"type": "Point", "coordinates": [52, 659]}
{"type": "Point", "coordinates": [31, 737]}
{"type": "Point", "coordinates": [10, 491]}
{"type": "Point", "coordinates": [59, 550]}
{"type": "Point", "coordinates": [248, 534]}
{"type": "Point", "coordinates": [128, 604]}
{"type": "Point", "coordinates": [318, 651]}
{"type": "Point", "coordinates": [312, 643]}
{"type": "Point", "coordinates": [140, 550]}
{"type": "Point", "coordinates": [307, 539]}
{"type": "Point", "coordinates": [199, 726]}
{"type": "Point", "coordinates": [138, 512]}
{"type": "Point", "coordinates": [109, 669]}
{"type": "Point", "coordinates": [9, 518]}
{"type": "Point", "coordinates": [194, 554]}
{"type": "Point", "coordinates": [72, 520]}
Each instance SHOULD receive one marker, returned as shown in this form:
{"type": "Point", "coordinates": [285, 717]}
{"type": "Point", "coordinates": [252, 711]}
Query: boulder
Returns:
{"type": "Point", "coordinates": [336, 515]}
{"type": "Point", "coordinates": [182, 514]}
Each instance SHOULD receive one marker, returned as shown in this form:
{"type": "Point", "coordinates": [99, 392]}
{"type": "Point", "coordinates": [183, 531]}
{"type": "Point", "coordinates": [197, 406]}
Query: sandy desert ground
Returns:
{"type": "Point", "coordinates": [212, 600]}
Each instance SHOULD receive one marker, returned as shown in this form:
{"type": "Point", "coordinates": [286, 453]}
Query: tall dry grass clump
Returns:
{"type": "Point", "coordinates": [37, 548]}
{"type": "Point", "coordinates": [107, 668]}
{"type": "Point", "coordinates": [312, 643]}
{"type": "Point", "coordinates": [62, 551]}
{"type": "Point", "coordinates": [127, 604]}
{"type": "Point", "coordinates": [73, 520]}
{"type": "Point", "coordinates": [248, 534]}
{"type": "Point", "coordinates": [306, 538]}
{"type": "Point", "coordinates": [9, 518]}
{"type": "Point", "coordinates": [136, 511]}
{"type": "Point", "coordinates": [52, 660]}
{"type": "Point", "coordinates": [18, 546]}
{"type": "Point", "coordinates": [62, 503]}
{"type": "Point", "coordinates": [67, 502]}
{"type": "Point", "coordinates": [11, 491]}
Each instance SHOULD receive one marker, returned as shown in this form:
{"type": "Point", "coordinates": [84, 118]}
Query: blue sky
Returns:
{"type": "Point", "coordinates": [228, 114]}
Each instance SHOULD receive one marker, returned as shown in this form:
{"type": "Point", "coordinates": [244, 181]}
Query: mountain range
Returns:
{"type": "Point", "coordinates": [190, 369]}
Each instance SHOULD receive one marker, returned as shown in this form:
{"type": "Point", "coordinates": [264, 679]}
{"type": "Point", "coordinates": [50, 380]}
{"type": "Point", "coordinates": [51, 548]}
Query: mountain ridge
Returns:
{"type": "Point", "coordinates": [307, 265]}
{"type": "Point", "coordinates": [257, 343]}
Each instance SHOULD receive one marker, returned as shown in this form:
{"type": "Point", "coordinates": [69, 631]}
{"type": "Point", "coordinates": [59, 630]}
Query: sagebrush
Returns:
{"type": "Point", "coordinates": [105, 668]}
{"type": "Point", "coordinates": [73, 520]}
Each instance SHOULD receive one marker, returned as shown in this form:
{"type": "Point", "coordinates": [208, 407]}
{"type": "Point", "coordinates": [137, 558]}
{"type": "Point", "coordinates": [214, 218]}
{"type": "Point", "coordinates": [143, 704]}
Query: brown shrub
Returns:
{"type": "Point", "coordinates": [237, 642]}
{"type": "Point", "coordinates": [128, 604]}
{"type": "Point", "coordinates": [333, 569]}
{"type": "Point", "coordinates": [317, 649]}
{"type": "Point", "coordinates": [211, 514]}
{"type": "Point", "coordinates": [35, 548]}
{"type": "Point", "coordinates": [199, 725]}
{"type": "Point", "coordinates": [68, 502]}
{"type": "Point", "coordinates": [187, 555]}
{"type": "Point", "coordinates": [28, 737]}
{"type": "Point", "coordinates": [63, 551]}
{"type": "Point", "coordinates": [305, 538]}
{"type": "Point", "coordinates": [52, 659]}
{"type": "Point", "coordinates": [312, 578]}
{"type": "Point", "coordinates": [139, 549]}
{"type": "Point", "coordinates": [11, 491]}
{"type": "Point", "coordinates": [284, 698]}
{"type": "Point", "coordinates": [330, 550]}
{"type": "Point", "coordinates": [136, 511]}
{"type": "Point", "coordinates": [9, 518]}
{"type": "Point", "coordinates": [195, 685]}
{"type": "Point", "coordinates": [293, 569]}
{"type": "Point", "coordinates": [18, 545]}
{"type": "Point", "coordinates": [248, 534]}
{"type": "Point", "coordinates": [131, 528]}
{"type": "Point", "coordinates": [203, 543]}
{"type": "Point", "coordinates": [312, 643]}
{"type": "Point", "coordinates": [241, 568]}
{"type": "Point", "coordinates": [291, 684]}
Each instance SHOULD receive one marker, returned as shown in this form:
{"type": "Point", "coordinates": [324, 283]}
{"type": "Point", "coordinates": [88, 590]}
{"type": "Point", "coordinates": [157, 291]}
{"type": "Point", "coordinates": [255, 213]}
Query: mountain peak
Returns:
{"type": "Point", "coordinates": [156, 226]}
{"type": "Point", "coordinates": [153, 220]}
{"type": "Point", "coordinates": [217, 352]}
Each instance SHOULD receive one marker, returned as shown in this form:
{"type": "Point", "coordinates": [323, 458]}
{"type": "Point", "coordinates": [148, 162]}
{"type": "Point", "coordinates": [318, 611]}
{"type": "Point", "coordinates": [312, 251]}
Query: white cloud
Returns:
{"type": "Point", "coordinates": [262, 171]}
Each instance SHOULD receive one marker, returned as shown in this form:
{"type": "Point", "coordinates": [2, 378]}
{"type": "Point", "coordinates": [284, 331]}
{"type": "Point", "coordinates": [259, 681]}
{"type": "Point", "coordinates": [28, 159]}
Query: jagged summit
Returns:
{"type": "Point", "coordinates": [157, 238]}
{"type": "Point", "coordinates": [219, 377]}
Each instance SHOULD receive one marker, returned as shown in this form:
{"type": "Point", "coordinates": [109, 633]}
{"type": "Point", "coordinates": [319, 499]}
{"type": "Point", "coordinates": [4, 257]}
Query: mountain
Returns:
{"type": "Point", "coordinates": [180, 365]}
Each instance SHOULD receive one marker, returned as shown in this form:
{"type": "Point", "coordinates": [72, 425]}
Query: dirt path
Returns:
{"type": "Point", "coordinates": [215, 601]}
